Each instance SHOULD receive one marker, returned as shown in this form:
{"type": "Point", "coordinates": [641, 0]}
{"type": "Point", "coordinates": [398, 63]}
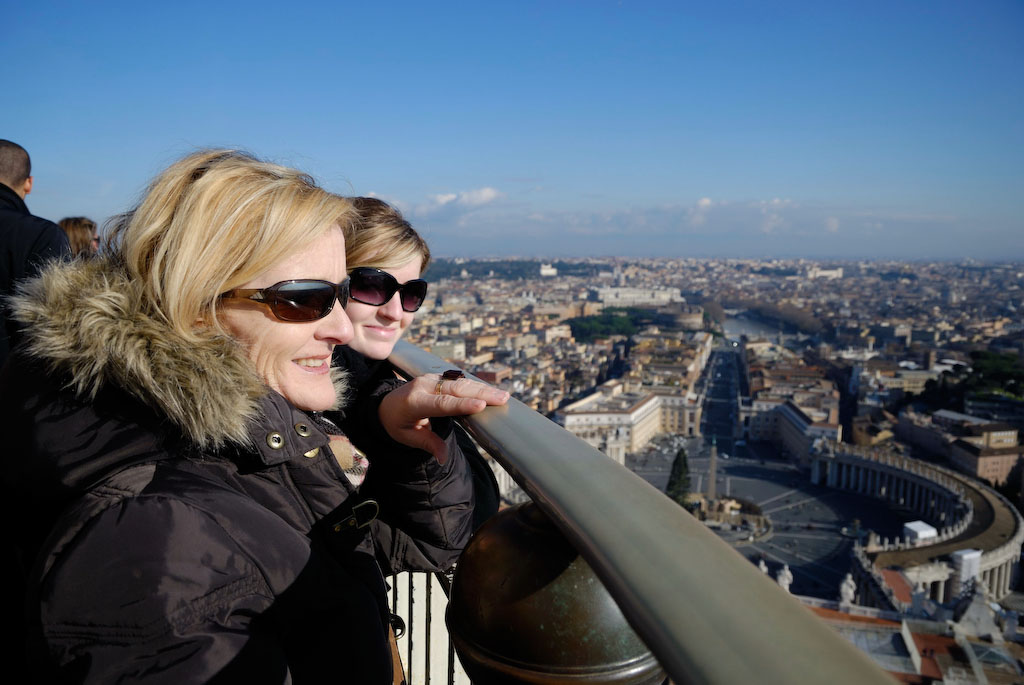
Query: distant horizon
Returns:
{"type": "Point", "coordinates": [766, 258]}
{"type": "Point", "coordinates": [440, 247]}
{"type": "Point", "coordinates": [664, 241]}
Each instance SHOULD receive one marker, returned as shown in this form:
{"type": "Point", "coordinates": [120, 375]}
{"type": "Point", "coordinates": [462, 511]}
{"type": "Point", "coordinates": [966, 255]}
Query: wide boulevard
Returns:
{"type": "Point", "coordinates": [812, 526]}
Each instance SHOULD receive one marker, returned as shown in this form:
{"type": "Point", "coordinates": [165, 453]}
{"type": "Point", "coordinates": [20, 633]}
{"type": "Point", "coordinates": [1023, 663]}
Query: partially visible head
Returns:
{"type": "Point", "coordinates": [81, 233]}
{"type": "Point", "coordinates": [218, 220]}
{"type": "Point", "coordinates": [381, 238]}
{"type": "Point", "coordinates": [15, 168]}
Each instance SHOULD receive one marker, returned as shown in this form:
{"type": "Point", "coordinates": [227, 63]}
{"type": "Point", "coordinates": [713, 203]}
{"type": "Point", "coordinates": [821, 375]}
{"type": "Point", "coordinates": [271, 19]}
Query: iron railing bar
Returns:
{"type": "Point", "coordinates": [394, 593]}
{"type": "Point", "coordinates": [444, 581]}
{"type": "Point", "coordinates": [451, 662]}
{"type": "Point", "coordinates": [426, 632]}
{"type": "Point", "coordinates": [707, 614]}
{"type": "Point", "coordinates": [409, 630]}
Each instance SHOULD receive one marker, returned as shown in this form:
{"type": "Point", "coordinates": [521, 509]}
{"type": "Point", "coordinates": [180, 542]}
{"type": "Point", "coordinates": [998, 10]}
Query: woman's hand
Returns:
{"type": "Point", "coordinates": [406, 410]}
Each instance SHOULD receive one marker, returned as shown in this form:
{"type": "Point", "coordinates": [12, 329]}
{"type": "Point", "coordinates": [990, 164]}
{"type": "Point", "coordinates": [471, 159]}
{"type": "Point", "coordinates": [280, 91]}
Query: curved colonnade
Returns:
{"type": "Point", "coordinates": [967, 515]}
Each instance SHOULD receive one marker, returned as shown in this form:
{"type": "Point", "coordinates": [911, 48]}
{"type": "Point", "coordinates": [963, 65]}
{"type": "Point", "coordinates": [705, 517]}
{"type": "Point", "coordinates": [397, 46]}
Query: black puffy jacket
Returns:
{"type": "Point", "coordinates": [368, 379]}
{"type": "Point", "coordinates": [26, 243]}
{"type": "Point", "coordinates": [179, 522]}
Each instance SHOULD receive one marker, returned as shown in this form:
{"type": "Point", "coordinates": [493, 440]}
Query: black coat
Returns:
{"type": "Point", "coordinates": [368, 381]}
{"type": "Point", "coordinates": [26, 242]}
{"type": "Point", "coordinates": [183, 523]}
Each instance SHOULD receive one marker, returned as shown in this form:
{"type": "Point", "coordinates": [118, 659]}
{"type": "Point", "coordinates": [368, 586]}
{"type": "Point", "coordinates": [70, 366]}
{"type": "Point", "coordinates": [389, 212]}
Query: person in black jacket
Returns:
{"type": "Point", "coordinates": [183, 511]}
{"type": "Point", "coordinates": [385, 258]}
{"type": "Point", "coordinates": [26, 241]}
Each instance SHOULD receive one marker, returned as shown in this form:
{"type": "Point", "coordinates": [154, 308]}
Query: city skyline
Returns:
{"type": "Point", "coordinates": [579, 129]}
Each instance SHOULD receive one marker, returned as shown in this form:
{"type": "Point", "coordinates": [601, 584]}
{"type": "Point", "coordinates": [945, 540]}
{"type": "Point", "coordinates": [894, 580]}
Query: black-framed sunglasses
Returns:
{"type": "Point", "coordinates": [376, 288]}
{"type": "Point", "coordinates": [297, 300]}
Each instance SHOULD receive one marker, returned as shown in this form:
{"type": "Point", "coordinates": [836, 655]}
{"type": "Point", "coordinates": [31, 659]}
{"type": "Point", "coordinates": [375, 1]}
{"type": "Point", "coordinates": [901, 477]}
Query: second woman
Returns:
{"type": "Point", "coordinates": [386, 258]}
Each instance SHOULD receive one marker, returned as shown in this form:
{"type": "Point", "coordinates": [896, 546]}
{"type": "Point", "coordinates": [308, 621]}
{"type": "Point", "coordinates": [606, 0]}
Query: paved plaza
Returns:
{"type": "Point", "coordinates": [812, 526]}
{"type": "Point", "coordinates": [807, 520]}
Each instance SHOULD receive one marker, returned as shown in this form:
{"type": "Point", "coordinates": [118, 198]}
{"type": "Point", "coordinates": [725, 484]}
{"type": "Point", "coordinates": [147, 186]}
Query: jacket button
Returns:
{"type": "Point", "coordinates": [303, 430]}
{"type": "Point", "coordinates": [275, 440]}
{"type": "Point", "coordinates": [312, 453]}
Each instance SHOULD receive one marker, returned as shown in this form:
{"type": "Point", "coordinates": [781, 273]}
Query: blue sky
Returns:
{"type": "Point", "coordinates": [776, 129]}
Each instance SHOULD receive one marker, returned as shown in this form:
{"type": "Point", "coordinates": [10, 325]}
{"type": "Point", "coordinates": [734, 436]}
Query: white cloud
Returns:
{"type": "Point", "coordinates": [471, 199]}
{"type": "Point", "coordinates": [774, 204]}
{"type": "Point", "coordinates": [702, 227]}
{"type": "Point", "coordinates": [698, 213]}
{"type": "Point", "coordinates": [480, 196]}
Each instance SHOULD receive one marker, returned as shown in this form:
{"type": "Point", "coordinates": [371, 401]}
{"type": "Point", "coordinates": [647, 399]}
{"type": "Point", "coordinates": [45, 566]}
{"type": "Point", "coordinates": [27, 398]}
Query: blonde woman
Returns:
{"type": "Point", "coordinates": [185, 514]}
{"type": "Point", "coordinates": [386, 258]}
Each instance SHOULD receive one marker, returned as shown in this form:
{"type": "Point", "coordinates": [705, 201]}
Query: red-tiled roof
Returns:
{"type": "Point", "coordinates": [928, 646]}
{"type": "Point", "coordinates": [833, 615]}
{"type": "Point", "coordinates": [900, 587]}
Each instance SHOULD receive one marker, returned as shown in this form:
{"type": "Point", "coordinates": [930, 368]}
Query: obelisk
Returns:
{"type": "Point", "coordinates": [712, 468]}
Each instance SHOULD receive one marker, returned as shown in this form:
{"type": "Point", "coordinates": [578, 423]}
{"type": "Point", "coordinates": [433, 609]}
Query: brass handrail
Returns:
{"type": "Point", "coordinates": [707, 614]}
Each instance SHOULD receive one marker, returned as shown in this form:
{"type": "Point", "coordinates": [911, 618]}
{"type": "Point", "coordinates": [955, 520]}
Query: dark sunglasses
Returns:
{"type": "Point", "coordinates": [375, 287]}
{"type": "Point", "coordinates": [297, 300]}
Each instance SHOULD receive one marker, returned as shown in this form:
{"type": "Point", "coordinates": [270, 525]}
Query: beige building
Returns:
{"type": "Point", "coordinates": [988, 451]}
{"type": "Point", "coordinates": [618, 420]}
{"type": "Point", "coordinates": [628, 297]}
{"type": "Point", "coordinates": [791, 404]}
{"type": "Point", "coordinates": [976, 446]}
{"type": "Point", "coordinates": [798, 428]}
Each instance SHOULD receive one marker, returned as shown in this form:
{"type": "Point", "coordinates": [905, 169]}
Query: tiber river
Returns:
{"type": "Point", "coordinates": [734, 328]}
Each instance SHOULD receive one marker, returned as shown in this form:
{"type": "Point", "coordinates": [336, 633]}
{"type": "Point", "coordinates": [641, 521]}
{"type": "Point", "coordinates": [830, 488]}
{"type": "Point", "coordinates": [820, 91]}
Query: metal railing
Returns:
{"type": "Point", "coordinates": [428, 658]}
{"type": "Point", "coordinates": [706, 613]}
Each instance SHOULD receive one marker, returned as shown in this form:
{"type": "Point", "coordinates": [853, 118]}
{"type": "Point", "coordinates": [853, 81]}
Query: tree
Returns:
{"type": "Point", "coordinates": [713, 311]}
{"type": "Point", "coordinates": [679, 480]}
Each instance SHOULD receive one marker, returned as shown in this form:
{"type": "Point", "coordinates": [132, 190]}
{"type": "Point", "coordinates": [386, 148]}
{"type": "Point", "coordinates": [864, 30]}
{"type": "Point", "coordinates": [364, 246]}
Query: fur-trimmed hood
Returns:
{"type": "Point", "coordinates": [86, 322]}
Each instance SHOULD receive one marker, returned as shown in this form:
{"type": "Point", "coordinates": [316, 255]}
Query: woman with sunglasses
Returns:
{"type": "Point", "coordinates": [386, 257]}
{"type": "Point", "coordinates": [183, 512]}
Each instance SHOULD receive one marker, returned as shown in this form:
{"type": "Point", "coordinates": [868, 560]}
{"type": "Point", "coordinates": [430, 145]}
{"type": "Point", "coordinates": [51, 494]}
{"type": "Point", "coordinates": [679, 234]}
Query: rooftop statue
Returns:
{"type": "Point", "coordinates": [847, 590]}
{"type": "Point", "coordinates": [784, 577]}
